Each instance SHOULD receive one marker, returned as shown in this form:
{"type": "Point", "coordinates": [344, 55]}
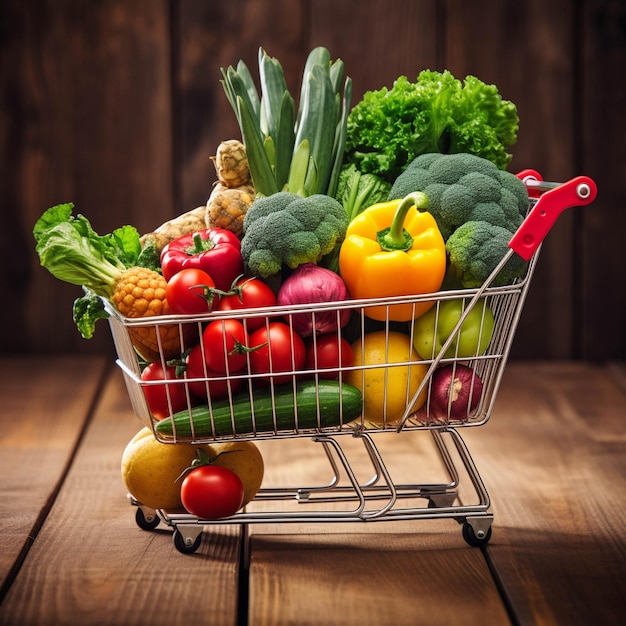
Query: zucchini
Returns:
{"type": "Point", "coordinates": [338, 403]}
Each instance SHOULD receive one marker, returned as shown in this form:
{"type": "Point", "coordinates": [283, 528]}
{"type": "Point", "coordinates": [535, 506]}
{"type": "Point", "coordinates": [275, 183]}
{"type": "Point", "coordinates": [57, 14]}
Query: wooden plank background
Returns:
{"type": "Point", "coordinates": [117, 106]}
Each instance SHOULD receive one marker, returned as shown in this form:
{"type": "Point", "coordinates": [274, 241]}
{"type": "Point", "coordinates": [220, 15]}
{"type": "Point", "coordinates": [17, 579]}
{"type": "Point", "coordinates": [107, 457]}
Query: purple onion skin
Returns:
{"type": "Point", "coordinates": [311, 284]}
{"type": "Point", "coordinates": [464, 385]}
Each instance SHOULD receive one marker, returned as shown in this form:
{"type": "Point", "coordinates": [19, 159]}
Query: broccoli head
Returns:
{"type": "Point", "coordinates": [463, 188]}
{"type": "Point", "coordinates": [287, 229]}
{"type": "Point", "coordinates": [474, 250]}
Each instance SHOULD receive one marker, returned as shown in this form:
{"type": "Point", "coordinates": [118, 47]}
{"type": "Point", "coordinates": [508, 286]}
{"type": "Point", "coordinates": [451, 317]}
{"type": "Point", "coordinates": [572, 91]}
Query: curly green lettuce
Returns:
{"type": "Point", "coordinates": [388, 128]}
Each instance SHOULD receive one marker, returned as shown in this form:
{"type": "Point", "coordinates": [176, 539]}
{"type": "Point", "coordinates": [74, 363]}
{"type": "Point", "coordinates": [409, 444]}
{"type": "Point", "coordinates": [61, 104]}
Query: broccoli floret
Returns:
{"type": "Point", "coordinates": [286, 229]}
{"type": "Point", "coordinates": [462, 188]}
{"type": "Point", "coordinates": [474, 250]}
{"type": "Point", "coordinates": [511, 185]}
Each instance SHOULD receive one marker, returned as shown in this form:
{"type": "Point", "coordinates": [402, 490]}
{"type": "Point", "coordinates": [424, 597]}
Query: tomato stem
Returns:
{"type": "Point", "coordinates": [202, 460]}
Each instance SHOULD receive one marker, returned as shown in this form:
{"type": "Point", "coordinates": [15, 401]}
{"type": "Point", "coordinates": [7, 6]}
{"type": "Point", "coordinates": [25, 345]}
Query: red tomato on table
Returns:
{"type": "Point", "coordinates": [211, 492]}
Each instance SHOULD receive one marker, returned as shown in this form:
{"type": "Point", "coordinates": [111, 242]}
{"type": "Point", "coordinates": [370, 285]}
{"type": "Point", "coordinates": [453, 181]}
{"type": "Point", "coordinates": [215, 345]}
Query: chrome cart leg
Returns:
{"type": "Point", "coordinates": [470, 467]}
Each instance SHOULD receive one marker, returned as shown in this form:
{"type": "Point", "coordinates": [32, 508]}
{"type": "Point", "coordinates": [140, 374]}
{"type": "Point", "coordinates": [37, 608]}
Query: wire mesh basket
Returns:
{"type": "Point", "coordinates": [401, 391]}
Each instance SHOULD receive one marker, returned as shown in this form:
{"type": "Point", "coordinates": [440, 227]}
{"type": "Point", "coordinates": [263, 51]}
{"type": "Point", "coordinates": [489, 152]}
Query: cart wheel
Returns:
{"type": "Point", "coordinates": [472, 539]}
{"type": "Point", "coordinates": [183, 546]}
{"type": "Point", "coordinates": [146, 522]}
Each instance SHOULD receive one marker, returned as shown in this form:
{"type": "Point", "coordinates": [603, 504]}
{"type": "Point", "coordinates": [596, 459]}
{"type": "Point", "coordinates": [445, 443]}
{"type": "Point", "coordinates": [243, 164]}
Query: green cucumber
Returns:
{"type": "Point", "coordinates": [338, 403]}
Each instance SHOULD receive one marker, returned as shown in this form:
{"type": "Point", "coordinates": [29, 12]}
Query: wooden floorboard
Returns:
{"type": "Point", "coordinates": [399, 572]}
{"type": "Point", "coordinates": [45, 406]}
{"type": "Point", "coordinates": [424, 577]}
{"type": "Point", "coordinates": [91, 564]}
{"type": "Point", "coordinates": [552, 457]}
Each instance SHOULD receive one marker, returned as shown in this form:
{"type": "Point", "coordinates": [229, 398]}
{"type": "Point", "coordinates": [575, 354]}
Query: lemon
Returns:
{"type": "Point", "coordinates": [387, 389]}
{"type": "Point", "coordinates": [150, 469]}
{"type": "Point", "coordinates": [243, 458]}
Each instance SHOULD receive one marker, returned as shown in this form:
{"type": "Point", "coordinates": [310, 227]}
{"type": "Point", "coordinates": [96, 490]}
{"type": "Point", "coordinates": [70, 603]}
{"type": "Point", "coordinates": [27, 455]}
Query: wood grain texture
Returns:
{"type": "Point", "coordinates": [44, 412]}
{"type": "Point", "coordinates": [118, 109]}
{"type": "Point", "coordinates": [552, 457]}
{"type": "Point", "coordinates": [602, 54]}
{"type": "Point", "coordinates": [380, 40]}
{"type": "Point", "coordinates": [416, 578]}
{"type": "Point", "coordinates": [91, 564]}
{"type": "Point", "coordinates": [89, 123]}
{"type": "Point", "coordinates": [394, 572]}
{"type": "Point", "coordinates": [554, 461]}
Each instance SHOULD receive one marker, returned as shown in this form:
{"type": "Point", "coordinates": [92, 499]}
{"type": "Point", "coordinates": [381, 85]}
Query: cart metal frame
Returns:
{"type": "Point", "coordinates": [346, 497]}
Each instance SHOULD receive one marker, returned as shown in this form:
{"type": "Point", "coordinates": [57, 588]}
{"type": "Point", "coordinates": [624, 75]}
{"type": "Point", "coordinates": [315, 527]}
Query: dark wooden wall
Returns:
{"type": "Point", "coordinates": [117, 105]}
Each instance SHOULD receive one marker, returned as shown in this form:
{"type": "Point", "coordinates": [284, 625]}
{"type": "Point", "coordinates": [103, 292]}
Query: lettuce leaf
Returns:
{"type": "Point", "coordinates": [70, 249]}
{"type": "Point", "coordinates": [388, 128]}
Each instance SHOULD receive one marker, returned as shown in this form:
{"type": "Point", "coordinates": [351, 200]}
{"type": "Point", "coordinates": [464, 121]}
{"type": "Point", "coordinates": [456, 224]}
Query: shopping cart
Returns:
{"type": "Point", "coordinates": [347, 496]}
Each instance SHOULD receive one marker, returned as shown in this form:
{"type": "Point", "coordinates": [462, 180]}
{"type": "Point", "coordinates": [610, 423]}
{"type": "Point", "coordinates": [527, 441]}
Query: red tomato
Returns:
{"type": "Point", "coordinates": [166, 399]}
{"type": "Point", "coordinates": [214, 384]}
{"type": "Point", "coordinates": [328, 352]}
{"type": "Point", "coordinates": [278, 349]}
{"type": "Point", "coordinates": [211, 492]}
{"type": "Point", "coordinates": [224, 344]}
{"type": "Point", "coordinates": [251, 293]}
{"type": "Point", "coordinates": [188, 292]}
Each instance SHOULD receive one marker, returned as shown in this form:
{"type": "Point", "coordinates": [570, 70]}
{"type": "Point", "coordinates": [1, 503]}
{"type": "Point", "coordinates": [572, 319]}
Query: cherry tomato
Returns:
{"type": "Point", "coordinates": [328, 352]}
{"type": "Point", "coordinates": [211, 492]}
{"type": "Point", "coordinates": [188, 292]}
{"type": "Point", "coordinates": [224, 344]}
{"type": "Point", "coordinates": [278, 349]}
{"type": "Point", "coordinates": [213, 384]}
{"type": "Point", "coordinates": [250, 293]}
{"type": "Point", "coordinates": [166, 399]}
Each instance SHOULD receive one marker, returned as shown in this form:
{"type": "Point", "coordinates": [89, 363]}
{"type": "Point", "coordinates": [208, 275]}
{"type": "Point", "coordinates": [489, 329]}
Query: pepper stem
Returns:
{"type": "Point", "coordinates": [200, 245]}
{"type": "Point", "coordinates": [396, 237]}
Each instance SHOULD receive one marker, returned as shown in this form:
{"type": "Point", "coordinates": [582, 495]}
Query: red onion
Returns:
{"type": "Point", "coordinates": [456, 392]}
{"type": "Point", "coordinates": [310, 284]}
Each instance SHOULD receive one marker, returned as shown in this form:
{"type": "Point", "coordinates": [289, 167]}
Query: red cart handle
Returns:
{"type": "Point", "coordinates": [528, 177]}
{"type": "Point", "coordinates": [578, 191]}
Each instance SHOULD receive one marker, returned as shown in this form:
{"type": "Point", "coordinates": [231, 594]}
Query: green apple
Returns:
{"type": "Point", "coordinates": [431, 330]}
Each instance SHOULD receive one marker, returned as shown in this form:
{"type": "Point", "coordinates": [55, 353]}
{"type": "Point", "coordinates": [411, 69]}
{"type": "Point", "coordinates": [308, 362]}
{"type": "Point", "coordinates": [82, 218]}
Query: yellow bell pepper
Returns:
{"type": "Point", "coordinates": [394, 249]}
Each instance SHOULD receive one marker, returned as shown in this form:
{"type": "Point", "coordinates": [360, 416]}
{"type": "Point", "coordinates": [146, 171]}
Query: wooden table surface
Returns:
{"type": "Point", "coordinates": [553, 458]}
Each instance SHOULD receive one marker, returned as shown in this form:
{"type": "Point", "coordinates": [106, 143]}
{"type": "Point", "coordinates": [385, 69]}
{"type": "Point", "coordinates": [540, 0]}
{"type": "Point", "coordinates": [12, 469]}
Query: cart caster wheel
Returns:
{"type": "Point", "coordinates": [474, 539]}
{"type": "Point", "coordinates": [147, 521]}
{"type": "Point", "coordinates": [186, 546]}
